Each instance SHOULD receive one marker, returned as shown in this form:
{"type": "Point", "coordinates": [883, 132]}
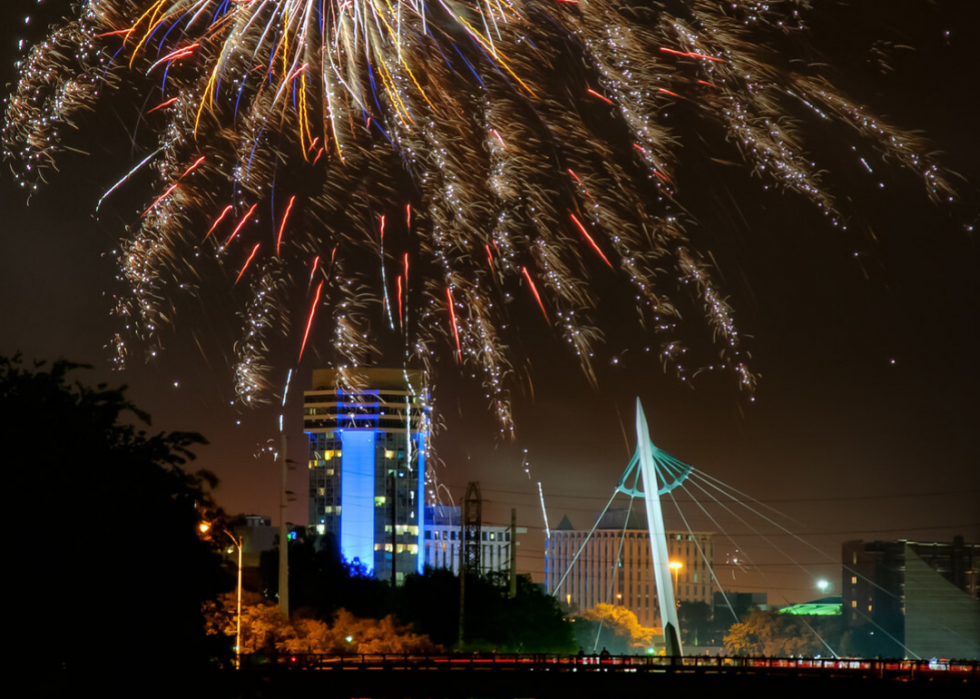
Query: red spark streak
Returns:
{"type": "Point", "coordinates": [705, 82]}
{"type": "Point", "coordinates": [489, 257]}
{"type": "Point", "coordinates": [603, 98]}
{"type": "Point", "coordinates": [116, 33]}
{"type": "Point", "coordinates": [591, 241]}
{"type": "Point", "coordinates": [176, 54]}
{"type": "Point", "coordinates": [164, 104]}
{"type": "Point", "coordinates": [502, 144]}
{"type": "Point", "coordinates": [398, 285]}
{"type": "Point", "coordinates": [406, 270]}
{"type": "Point", "coordinates": [316, 261]}
{"type": "Point", "coordinates": [162, 197]}
{"type": "Point", "coordinates": [248, 261]}
{"type": "Point", "coordinates": [382, 228]}
{"type": "Point", "coordinates": [581, 183]}
{"type": "Point", "coordinates": [166, 194]}
{"type": "Point", "coordinates": [667, 92]}
{"type": "Point", "coordinates": [285, 218]}
{"type": "Point", "coordinates": [319, 153]}
{"type": "Point", "coordinates": [192, 168]}
{"type": "Point", "coordinates": [653, 170]}
{"type": "Point", "coordinates": [218, 221]}
{"type": "Point", "coordinates": [452, 316]}
{"type": "Point", "coordinates": [309, 322]}
{"type": "Point", "coordinates": [408, 216]}
{"type": "Point", "coordinates": [534, 290]}
{"type": "Point", "coordinates": [241, 224]}
{"type": "Point", "coordinates": [692, 55]}
{"type": "Point", "coordinates": [298, 71]}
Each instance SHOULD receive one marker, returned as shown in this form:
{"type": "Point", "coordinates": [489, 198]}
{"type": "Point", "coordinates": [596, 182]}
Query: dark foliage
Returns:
{"type": "Point", "coordinates": [320, 583]}
{"type": "Point", "coordinates": [114, 573]}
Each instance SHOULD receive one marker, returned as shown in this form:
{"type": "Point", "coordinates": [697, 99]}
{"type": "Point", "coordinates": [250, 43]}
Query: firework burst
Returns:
{"type": "Point", "coordinates": [403, 171]}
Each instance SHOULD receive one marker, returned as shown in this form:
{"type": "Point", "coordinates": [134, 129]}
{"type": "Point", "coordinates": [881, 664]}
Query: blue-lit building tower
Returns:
{"type": "Point", "coordinates": [367, 466]}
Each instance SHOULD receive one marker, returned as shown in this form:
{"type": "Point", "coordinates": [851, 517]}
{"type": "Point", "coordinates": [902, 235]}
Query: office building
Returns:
{"type": "Point", "coordinates": [916, 599]}
{"type": "Point", "coordinates": [442, 542]}
{"type": "Point", "coordinates": [597, 577]}
{"type": "Point", "coordinates": [367, 449]}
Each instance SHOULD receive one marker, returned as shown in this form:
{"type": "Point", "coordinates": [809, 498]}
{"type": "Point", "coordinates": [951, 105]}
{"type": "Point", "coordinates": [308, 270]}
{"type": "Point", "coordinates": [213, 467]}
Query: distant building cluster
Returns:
{"type": "Point", "coordinates": [922, 599]}
{"type": "Point", "coordinates": [367, 452]}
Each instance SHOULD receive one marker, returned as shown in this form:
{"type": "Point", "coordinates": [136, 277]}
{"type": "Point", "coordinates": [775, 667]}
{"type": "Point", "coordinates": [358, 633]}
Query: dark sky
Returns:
{"type": "Point", "coordinates": [866, 418]}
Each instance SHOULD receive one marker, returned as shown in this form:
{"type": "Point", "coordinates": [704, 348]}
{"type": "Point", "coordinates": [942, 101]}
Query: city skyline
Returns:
{"type": "Point", "coordinates": [863, 426]}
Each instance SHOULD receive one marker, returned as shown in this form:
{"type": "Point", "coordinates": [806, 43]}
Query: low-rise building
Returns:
{"type": "Point", "coordinates": [909, 598]}
{"type": "Point", "coordinates": [443, 539]}
{"type": "Point", "coordinates": [615, 565]}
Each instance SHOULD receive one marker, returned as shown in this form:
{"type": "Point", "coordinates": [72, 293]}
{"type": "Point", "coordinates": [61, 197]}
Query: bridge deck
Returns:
{"type": "Point", "coordinates": [493, 676]}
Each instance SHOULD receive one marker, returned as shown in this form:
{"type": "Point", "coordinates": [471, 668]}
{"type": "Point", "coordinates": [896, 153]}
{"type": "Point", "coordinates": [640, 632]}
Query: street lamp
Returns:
{"type": "Point", "coordinates": [205, 527]}
{"type": "Point", "coordinates": [675, 567]}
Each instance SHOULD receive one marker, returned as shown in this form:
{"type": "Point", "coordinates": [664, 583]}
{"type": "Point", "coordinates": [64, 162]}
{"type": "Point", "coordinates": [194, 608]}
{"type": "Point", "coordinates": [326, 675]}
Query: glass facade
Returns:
{"type": "Point", "coordinates": [367, 467]}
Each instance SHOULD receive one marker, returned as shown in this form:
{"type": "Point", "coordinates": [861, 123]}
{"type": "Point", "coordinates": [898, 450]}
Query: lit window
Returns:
{"type": "Point", "coordinates": [389, 454]}
{"type": "Point", "coordinates": [854, 580]}
{"type": "Point", "coordinates": [380, 500]}
{"type": "Point", "coordinates": [869, 607]}
{"type": "Point", "coordinates": [854, 603]}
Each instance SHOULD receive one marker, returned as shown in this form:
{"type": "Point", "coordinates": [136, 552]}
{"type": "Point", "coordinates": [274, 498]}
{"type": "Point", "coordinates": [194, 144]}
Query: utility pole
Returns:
{"type": "Point", "coordinates": [284, 536]}
{"type": "Point", "coordinates": [462, 582]}
{"type": "Point", "coordinates": [513, 552]}
{"type": "Point", "coordinates": [470, 543]}
{"type": "Point", "coordinates": [472, 525]}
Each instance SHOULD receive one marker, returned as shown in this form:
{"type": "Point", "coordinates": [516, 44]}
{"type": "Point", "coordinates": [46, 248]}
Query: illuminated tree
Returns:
{"type": "Point", "coordinates": [773, 635]}
{"type": "Point", "coordinates": [628, 635]}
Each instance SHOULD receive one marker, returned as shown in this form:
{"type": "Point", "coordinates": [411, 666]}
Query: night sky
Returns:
{"type": "Point", "coordinates": [866, 422]}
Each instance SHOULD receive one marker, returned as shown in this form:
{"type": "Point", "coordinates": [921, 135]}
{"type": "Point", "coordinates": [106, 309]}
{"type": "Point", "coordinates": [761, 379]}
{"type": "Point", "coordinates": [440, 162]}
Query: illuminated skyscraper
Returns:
{"type": "Point", "coordinates": [367, 466]}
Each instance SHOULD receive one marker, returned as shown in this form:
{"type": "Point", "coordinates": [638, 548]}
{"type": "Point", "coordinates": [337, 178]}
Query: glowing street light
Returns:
{"type": "Point", "coordinates": [205, 527]}
{"type": "Point", "coordinates": [676, 566]}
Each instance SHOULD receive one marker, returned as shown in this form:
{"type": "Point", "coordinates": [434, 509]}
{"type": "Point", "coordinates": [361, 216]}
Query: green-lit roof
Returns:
{"type": "Point", "coordinates": [828, 606]}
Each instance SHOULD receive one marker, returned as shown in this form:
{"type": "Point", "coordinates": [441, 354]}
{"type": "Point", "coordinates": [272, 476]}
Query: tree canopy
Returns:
{"type": "Point", "coordinates": [774, 635]}
{"type": "Point", "coordinates": [113, 569]}
{"type": "Point", "coordinates": [321, 583]}
{"type": "Point", "coordinates": [615, 628]}
{"type": "Point", "coordinates": [265, 630]}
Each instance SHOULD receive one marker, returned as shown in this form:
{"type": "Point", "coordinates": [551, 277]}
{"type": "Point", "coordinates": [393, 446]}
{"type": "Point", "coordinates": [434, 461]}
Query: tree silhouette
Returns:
{"type": "Point", "coordinates": [113, 572]}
